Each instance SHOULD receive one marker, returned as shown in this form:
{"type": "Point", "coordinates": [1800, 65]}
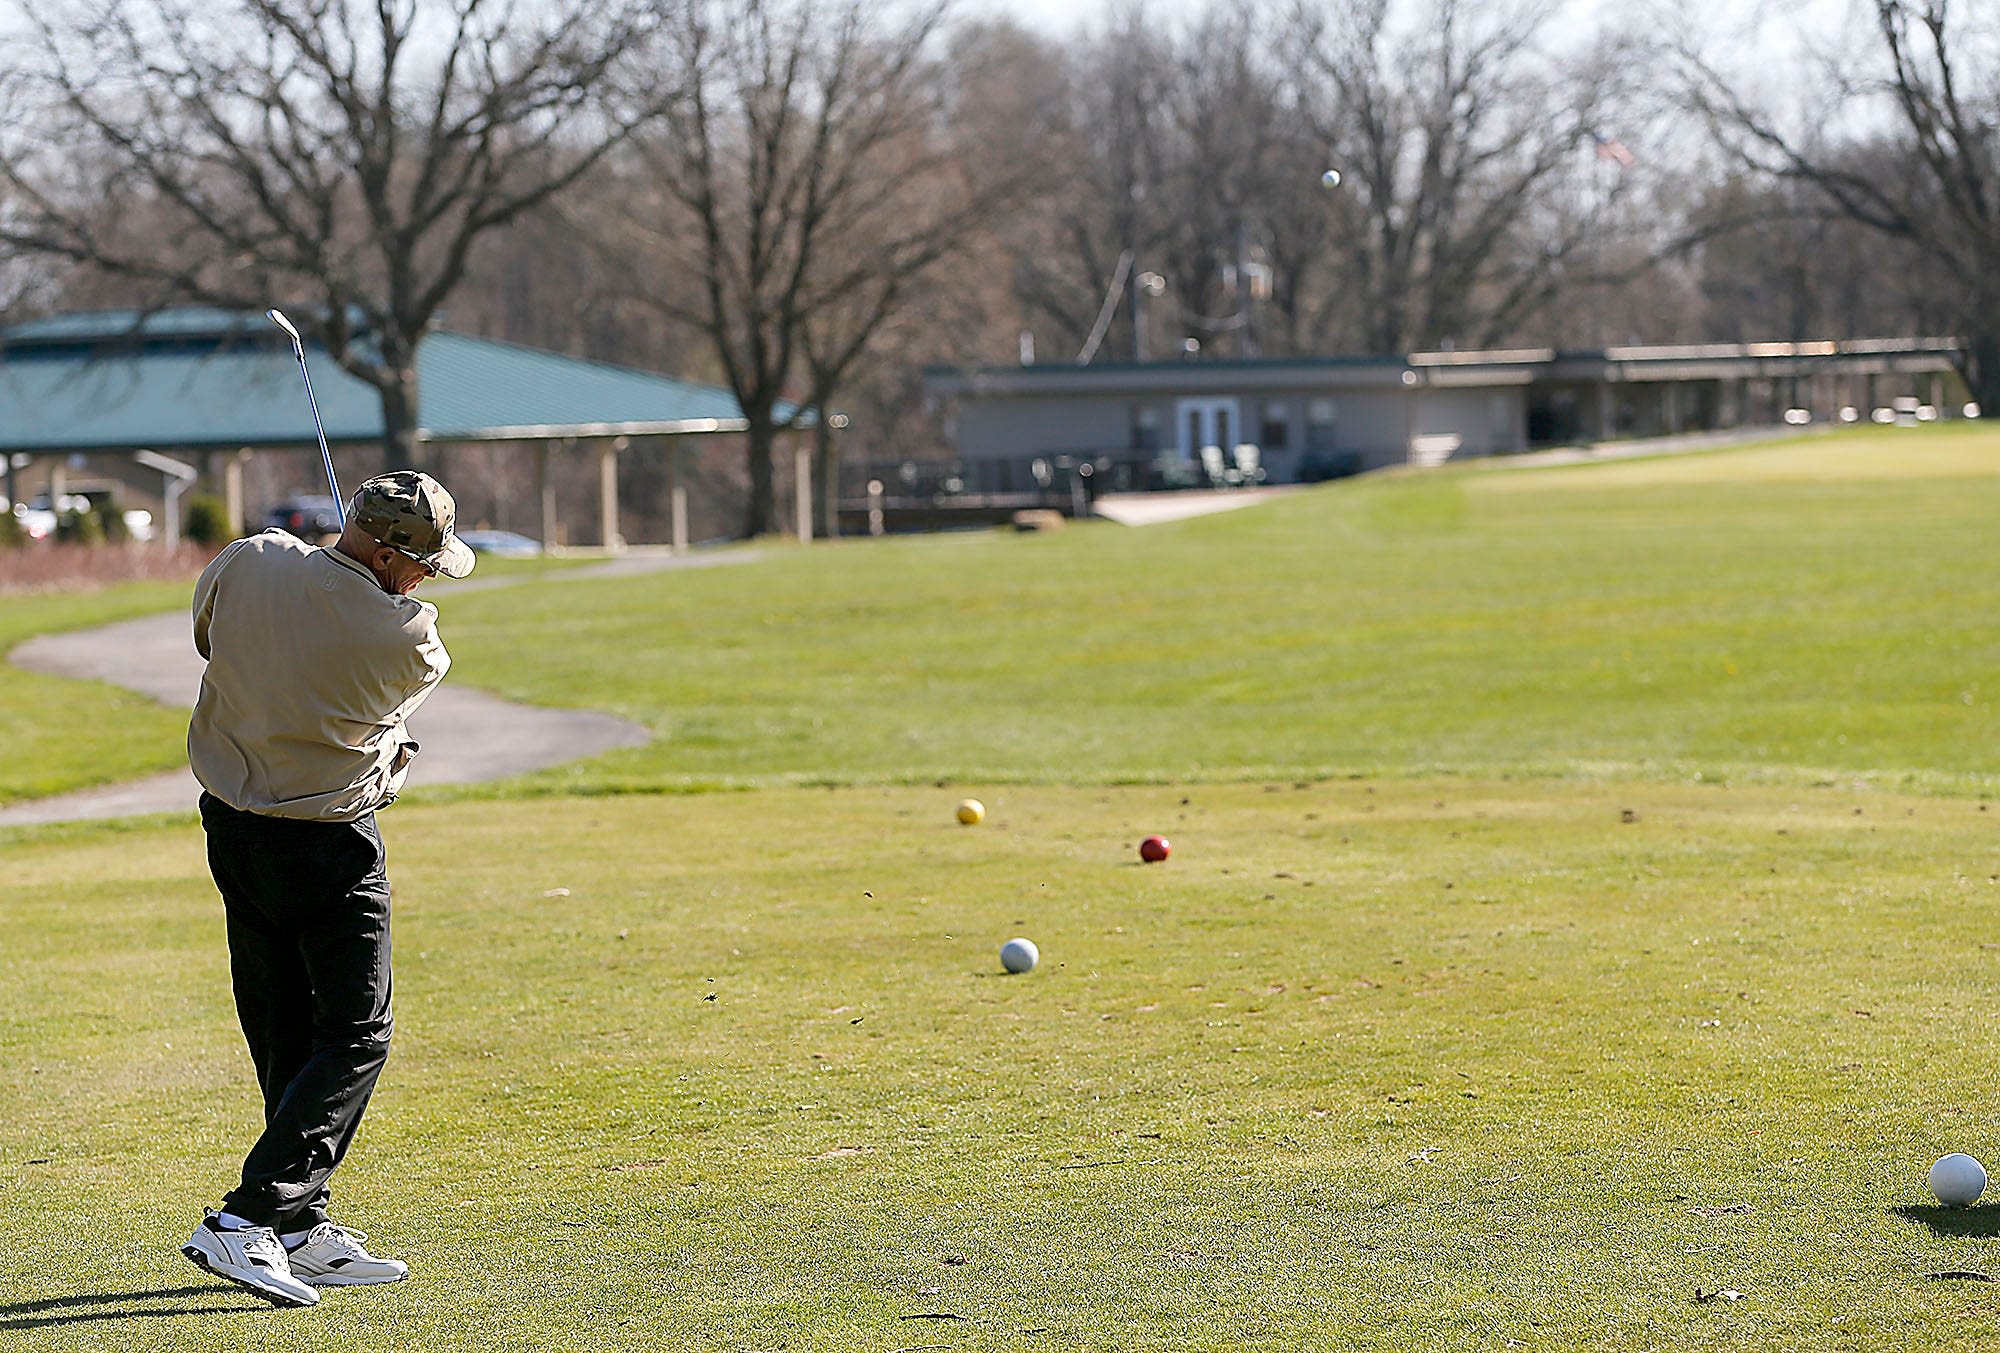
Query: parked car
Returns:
{"type": "Point", "coordinates": [37, 523]}
{"type": "Point", "coordinates": [312, 519]}
{"type": "Point", "coordinates": [501, 544]}
{"type": "Point", "coordinates": [38, 519]}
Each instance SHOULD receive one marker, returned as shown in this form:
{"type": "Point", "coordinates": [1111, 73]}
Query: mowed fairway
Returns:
{"type": "Point", "coordinates": [1395, 1065]}
{"type": "Point", "coordinates": [1581, 905]}
{"type": "Point", "coordinates": [1659, 618]}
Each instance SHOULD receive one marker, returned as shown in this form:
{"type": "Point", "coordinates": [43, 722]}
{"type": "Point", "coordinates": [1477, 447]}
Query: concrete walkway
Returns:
{"type": "Point", "coordinates": [467, 735]}
{"type": "Point", "coordinates": [1150, 509]}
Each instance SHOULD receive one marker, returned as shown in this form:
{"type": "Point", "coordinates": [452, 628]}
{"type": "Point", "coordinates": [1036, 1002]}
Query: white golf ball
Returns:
{"type": "Point", "coordinates": [1958, 1179]}
{"type": "Point", "coordinates": [1021, 956]}
{"type": "Point", "coordinates": [1330, 179]}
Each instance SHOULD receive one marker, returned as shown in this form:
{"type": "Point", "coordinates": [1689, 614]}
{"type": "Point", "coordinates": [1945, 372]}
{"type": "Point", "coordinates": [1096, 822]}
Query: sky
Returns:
{"type": "Point", "coordinates": [1772, 49]}
{"type": "Point", "coordinates": [1065, 16]}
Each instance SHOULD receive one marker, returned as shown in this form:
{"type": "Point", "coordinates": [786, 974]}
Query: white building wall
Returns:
{"type": "Point", "coordinates": [1325, 432]}
{"type": "Point", "coordinates": [1014, 428]}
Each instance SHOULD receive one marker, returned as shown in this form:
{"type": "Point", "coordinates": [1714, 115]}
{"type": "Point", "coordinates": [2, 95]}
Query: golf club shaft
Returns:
{"type": "Point", "coordinates": [319, 430]}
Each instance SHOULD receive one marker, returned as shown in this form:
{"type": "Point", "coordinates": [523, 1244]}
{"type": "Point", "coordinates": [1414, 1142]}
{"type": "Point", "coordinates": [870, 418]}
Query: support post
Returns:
{"type": "Point", "coordinates": [607, 492]}
{"type": "Point", "coordinates": [548, 493]}
{"type": "Point", "coordinates": [179, 475]}
{"type": "Point", "coordinates": [827, 458]}
{"type": "Point", "coordinates": [802, 490]}
{"type": "Point", "coordinates": [232, 489]}
{"type": "Point", "coordinates": [677, 495]}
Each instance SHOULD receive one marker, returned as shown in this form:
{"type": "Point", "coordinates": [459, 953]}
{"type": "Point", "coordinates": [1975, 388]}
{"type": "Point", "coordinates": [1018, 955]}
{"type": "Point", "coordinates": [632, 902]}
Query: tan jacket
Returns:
{"type": "Point", "coordinates": [312, 670]}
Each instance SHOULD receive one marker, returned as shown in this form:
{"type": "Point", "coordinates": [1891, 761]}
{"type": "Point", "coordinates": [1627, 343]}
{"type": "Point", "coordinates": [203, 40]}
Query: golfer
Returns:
{"type": "Point", "coordinates": [316, 660]}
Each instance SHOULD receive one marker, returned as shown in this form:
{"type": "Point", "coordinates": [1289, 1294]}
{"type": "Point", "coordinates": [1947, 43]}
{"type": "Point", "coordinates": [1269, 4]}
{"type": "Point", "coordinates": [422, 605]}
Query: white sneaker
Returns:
{"type": "Point", "coordinates": [332, 1256]}
{"type": "Point", "coordinates": [250, 1257]}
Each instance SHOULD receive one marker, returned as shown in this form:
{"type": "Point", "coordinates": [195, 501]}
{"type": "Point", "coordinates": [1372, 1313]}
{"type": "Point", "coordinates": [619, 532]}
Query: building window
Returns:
{"type": "Point", "coordinates": [1276, 432]}
{"type": "Point", "coordinates": [1145, 428]}
{"type": "Point", "coordinates": [1321, 415]}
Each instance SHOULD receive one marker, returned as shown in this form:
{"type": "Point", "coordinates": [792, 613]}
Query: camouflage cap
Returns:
{"type": "Point", "coordinates": [411, 512]}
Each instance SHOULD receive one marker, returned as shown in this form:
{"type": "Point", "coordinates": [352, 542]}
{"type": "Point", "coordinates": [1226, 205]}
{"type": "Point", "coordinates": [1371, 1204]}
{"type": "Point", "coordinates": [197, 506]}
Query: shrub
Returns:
{"type": "Point", "coordinates": [205, 521]}
{"type": "Point", "coordinates": [111, 522]}
{"type": "Point", "coordinates": [1320, 466]}
{"type": "Point", "coordinates": [80, 528]}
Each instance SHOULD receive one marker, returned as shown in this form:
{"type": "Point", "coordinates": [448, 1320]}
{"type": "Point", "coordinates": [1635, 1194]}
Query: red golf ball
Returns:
{"type": "Point", "coordinates": [1154, 849]}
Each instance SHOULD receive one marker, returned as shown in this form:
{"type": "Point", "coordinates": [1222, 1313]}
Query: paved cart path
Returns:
{"type": "Point", "coordinates": [467, 735]}
{"type": "Point", "coordinates": [1149, 509]}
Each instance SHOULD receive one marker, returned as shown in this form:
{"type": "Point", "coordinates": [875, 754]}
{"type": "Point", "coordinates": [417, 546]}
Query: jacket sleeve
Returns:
{"type": "Point", "coordinates": [423, 666]}
{"type": "Point", "coordinates": [204, 595]}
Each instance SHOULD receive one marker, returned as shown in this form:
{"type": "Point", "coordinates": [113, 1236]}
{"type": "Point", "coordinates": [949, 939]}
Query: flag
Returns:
{"type": "Point", "coordinates": [1612, 149]}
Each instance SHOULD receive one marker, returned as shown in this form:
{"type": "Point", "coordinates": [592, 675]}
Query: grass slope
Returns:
{"type": "Point", "coordinates": [63, 734]}
{"type": "Point", "coordinates": [1723, 613]}
{"type": "Point", "coordinates": [1406, 1062]}
{"type": "Point", "coordinates": [1366, 1065]}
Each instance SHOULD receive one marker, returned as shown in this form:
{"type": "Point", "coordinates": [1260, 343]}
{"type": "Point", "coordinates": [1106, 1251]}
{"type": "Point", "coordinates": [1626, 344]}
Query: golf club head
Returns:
{"type": "Point", "coordinates": [277, 317]}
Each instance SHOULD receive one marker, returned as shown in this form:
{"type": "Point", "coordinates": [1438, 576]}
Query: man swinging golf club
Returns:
{"type": "Point", "coordinates": [316, 659]}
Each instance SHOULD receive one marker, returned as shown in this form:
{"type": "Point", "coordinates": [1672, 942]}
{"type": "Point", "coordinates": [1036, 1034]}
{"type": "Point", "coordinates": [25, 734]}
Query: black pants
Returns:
{"type": "Point", "coordinates": [308, 911]}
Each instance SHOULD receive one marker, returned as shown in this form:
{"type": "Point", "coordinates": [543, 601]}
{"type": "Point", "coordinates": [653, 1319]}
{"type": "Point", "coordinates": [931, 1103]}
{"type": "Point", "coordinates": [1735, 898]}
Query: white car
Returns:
{"type": "Point", "coordinates": [38, 520]}
{"type": "Point", "coordinates": [37, 523]}
{"type": "Point", "coordinates": [501, 544]}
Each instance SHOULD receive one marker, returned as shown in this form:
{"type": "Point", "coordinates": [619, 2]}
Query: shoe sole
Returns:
{"type": "Point", "coordinates": [335, 1280]}
{"type": "Point", "coordinates": [283, 1299]}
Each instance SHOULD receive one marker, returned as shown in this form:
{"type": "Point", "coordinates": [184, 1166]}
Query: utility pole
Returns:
{"type": "Point", "coordinates": [1137, 302]}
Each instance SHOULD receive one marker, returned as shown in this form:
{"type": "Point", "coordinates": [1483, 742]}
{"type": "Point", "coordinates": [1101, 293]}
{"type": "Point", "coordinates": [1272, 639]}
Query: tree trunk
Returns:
{"type": "Point", "coordinates": [401, 447]}
{"type": "Point", "coordinates": [1979, 364]}
{"type": "Point", "coordinates": [826, 476]}
{"type": "Point", "coordinates": [762, 517]}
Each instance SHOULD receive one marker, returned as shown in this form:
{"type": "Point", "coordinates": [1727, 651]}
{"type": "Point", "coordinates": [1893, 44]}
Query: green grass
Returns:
{"type": "Point", "coordinates": [62, 734]}
{"type": "Point", "coordinates": [1394, 1064]}
{"type": "Point", "coordinates": [1579, 901]}
{"type": "Point", "coordinates": [1655, 619]}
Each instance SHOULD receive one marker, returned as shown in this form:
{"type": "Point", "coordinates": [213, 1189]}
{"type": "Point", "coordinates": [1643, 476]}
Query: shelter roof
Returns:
{"type": "Point", "coordinates": [198, 379]}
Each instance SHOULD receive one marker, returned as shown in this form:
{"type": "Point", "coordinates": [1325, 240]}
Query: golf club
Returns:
{"type": "Point", "coordinates": [299, 351]}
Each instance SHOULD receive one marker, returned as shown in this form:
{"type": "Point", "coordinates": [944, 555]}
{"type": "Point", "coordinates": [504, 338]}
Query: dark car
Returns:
{"type": "Point", "coordinates": [311, 519]}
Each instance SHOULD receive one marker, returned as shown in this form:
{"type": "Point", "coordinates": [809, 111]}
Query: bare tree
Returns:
{"type": "Point", "coordinates": [1932, 182]}
{"type": "Point", "coordinates": [808, 177]}
{"type": "Point", "coordinates": [1100, 214]}
{"type": "Point", "coordinates": [1465, 133]}
{"type": "Point", "coordinates": [341, 156]}
{"type": "Point", "coordinates": [1452, 130]}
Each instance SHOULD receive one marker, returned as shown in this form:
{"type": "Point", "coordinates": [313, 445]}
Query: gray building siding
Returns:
{"type": "Point", "coordinates": [1313, 417]}
{"type": "Point", "coordinates": [1300, 433]}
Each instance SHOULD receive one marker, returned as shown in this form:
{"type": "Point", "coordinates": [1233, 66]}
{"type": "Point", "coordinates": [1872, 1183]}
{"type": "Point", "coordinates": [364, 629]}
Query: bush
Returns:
{"type": "Point", "coordinates": [1320, 466]}
{"type": "Point", "coordinates": [112, 522]}
{"type": "Point", "coordinates": [80, 528]}
{"type": "Point", "coordinates": [12, 537]}
{"type": "Point", "coordinates": [205, 521]}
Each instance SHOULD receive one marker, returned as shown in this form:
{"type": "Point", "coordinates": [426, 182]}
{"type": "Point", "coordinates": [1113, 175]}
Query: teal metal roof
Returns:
{"type": "Point", "coordinates": [202, 379]}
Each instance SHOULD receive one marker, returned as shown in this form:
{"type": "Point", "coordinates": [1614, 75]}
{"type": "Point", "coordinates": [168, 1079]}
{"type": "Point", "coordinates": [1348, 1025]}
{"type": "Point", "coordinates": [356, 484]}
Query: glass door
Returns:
{"type": "Point", "coordinates": [1208, 422]}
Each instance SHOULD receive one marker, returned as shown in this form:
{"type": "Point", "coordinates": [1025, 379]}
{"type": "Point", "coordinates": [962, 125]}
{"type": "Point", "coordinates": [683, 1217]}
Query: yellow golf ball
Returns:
{"type": "Point", "coordinates": [971, 812]}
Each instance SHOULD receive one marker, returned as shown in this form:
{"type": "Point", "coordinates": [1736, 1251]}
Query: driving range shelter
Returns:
{"type": "Point", "coordinates": [143, 406]}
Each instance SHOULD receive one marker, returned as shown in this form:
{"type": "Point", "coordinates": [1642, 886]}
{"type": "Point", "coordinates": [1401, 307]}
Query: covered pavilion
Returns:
{"type": "Point", "coordinates": [132, 394]}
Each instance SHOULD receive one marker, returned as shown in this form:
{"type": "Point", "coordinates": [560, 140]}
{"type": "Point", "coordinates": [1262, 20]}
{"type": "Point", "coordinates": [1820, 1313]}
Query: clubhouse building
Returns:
{"type": "Point", "coordinates": [1169, 424]}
